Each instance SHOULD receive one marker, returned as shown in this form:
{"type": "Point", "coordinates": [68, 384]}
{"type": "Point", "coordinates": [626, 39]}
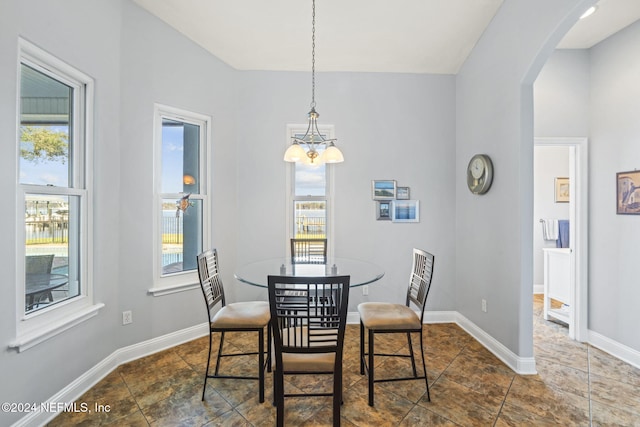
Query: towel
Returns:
{"type": "Point", "coordinates": [549, 229]}
{"type": "Point", "coordinates": [563, 234]}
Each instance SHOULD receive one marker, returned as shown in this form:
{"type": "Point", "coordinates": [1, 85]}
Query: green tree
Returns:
{"type": "Point", "coordinates": [43, 144]}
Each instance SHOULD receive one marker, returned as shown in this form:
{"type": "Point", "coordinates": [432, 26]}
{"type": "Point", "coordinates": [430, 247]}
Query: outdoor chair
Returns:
{"type": "Point", "coordinates": [308, 251]}
{"type": "Point", "coordinates": [39, 264]}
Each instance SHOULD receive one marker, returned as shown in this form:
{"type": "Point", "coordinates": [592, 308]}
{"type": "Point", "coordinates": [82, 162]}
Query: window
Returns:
{"type": "Point", "coordinates": [309, 206]}
{"type": "Point", "coordinates": [54, 236]}
{"type": "Point", "coordinates": [182, 213]}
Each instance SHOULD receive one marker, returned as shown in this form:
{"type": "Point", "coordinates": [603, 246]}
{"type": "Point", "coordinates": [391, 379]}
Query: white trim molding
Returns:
{"type": "Point", "coordinates": [614, 348]}
{"type": "Point", "coordinates": [123, 355]}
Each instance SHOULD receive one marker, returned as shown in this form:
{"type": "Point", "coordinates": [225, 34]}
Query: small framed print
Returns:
{"type": "Point", "coordinates": [405, 211]}
{"type": "Point", "coordinates": [628, 193]}
{"type": "Point", "coordinates": [562, 190]}
{"type": "Point", "coordinates": [383, 211]}
{"type": "Point", "coordinates": [402, 193]}
{"type": "Point", "coordinates": [383, 189]}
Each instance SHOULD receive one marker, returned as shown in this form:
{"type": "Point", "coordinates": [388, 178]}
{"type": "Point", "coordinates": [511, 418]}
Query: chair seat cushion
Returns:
{"type": "Point", "coordinates": [311, 362]}
{"type": "Point", "coordinates": [387, 316]}
{"type": "Point", "coordinates": [239, 315]}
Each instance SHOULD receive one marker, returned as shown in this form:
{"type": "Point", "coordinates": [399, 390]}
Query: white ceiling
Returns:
{"type": "Point", "coordinates": [407, 36]}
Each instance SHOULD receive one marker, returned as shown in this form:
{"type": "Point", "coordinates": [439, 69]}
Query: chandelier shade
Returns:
{"type": "Point", "coordinates": [306, 148]}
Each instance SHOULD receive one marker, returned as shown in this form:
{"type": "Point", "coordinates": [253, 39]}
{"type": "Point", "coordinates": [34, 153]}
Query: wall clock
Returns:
{"type": "Point", "coordinates": [479, 174]}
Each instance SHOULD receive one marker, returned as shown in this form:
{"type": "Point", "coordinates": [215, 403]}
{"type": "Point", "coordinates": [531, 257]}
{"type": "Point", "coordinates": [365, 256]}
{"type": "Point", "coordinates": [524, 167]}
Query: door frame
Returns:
{"type": "Point", "coordinates": [578, 224]}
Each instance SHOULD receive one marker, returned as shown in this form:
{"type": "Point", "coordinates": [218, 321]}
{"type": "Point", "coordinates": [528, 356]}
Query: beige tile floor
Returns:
{"type": "Point", "coordinates": [576, 385]}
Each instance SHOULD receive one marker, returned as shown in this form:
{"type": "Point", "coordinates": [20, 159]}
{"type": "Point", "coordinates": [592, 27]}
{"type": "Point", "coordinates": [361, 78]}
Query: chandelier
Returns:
{"type": "Point", "coordinates": [305, 149]}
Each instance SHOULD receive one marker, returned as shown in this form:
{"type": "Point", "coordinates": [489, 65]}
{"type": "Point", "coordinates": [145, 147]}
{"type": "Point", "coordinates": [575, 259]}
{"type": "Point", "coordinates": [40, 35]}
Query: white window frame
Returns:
{"type": "Point", "coordinates": [36, 327]}
{"type": "Point", "coordinates": [185, 280]}
{"type": "Point", "coordinates": [292, 130]}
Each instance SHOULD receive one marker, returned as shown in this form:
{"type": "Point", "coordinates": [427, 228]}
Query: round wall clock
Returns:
{"type": "Point", "coordinates": [479, 174]}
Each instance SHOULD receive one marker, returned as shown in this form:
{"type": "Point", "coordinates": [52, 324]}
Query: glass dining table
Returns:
{"type": "Point", "coordinates": [361, 272]}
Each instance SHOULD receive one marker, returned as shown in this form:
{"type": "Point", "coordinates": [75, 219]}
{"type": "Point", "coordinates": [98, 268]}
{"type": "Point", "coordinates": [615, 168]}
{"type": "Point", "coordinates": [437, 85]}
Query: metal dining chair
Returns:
{"type": "Point", "coordinates": [308, 320]}
{"type": "Point", "coordinates": [251, 316]}
{"type": "Point", "coordinates": [389, 318]}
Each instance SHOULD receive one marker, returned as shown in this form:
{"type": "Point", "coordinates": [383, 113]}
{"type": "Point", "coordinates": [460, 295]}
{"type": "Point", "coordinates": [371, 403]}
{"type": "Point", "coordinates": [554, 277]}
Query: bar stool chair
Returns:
{"type": "Point", "coordinates": [389, 318]}
{"type": "Point", "coordinates": [308, 318]}
{"type": "Point", "coordinates": [251, 316]}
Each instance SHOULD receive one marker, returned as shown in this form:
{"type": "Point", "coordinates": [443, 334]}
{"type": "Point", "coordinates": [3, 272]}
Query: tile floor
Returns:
{"type": "Point", "coordinates": [577, 385]}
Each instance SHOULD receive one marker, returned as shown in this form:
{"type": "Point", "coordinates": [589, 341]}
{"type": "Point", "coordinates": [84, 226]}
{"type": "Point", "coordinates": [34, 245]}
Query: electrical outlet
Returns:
{"type": "Point", "coordinates": [484, 305]}
{"type": "Point", "coordinates": [127, 317]}
{"type": "Point", "coordinates": [365, 290]}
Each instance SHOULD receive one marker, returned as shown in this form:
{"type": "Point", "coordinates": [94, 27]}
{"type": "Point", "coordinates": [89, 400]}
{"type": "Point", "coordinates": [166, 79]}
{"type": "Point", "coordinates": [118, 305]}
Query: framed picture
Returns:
{"type": "Point", "coordinates": [383, 211]}
{"type": "Point", "coordinates": [402, 193]}
{"type": "Point", "coordinates": [628, 193]}
{"type": "Point", "coordinates": [562, 190]}
{"type": "Point", "coordinates": [405, 211]}
{"type": "Point", "coordinates": [383, 190]}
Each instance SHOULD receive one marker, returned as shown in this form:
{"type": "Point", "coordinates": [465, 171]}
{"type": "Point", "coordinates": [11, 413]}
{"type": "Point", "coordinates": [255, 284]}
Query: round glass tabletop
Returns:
{"type": "Point", "coordinates": [361, 272]}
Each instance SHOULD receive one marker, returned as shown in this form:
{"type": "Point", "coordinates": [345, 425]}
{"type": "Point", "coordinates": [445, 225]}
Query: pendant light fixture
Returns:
{"type": "Point", "coordinates": [305, 149]}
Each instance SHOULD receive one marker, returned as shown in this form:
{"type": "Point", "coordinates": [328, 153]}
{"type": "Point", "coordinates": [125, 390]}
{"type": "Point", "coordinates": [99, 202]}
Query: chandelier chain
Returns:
{"type": "Point", "coordinates": [313, 56]}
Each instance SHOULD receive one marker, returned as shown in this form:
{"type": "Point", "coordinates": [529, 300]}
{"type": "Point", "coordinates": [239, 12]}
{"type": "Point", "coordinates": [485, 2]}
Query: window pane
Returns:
{"type": "Point", "coordinates": [180, 157]}
{"type": "Point", "coordinates": [51, 249]}
{"type": "Point", "coordinates": [45, 129]}
{"type": "Point", "coordinates": [310, 219]}
{"type": "Point", "coordinates": [181, 235]}
{"type": "Point", "coordinates": [310, 180]}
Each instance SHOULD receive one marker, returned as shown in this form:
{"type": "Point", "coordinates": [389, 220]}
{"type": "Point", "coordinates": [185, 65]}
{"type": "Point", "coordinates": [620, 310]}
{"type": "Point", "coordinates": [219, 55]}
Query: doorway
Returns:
{"type": "Point", "coordinates": [578, 223]}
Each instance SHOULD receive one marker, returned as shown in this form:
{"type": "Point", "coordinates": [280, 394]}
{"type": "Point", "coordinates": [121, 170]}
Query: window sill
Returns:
{"type": "Point", "coordinates": [34, 338]}
{"type": "Point", "coordinates": [172, 289]}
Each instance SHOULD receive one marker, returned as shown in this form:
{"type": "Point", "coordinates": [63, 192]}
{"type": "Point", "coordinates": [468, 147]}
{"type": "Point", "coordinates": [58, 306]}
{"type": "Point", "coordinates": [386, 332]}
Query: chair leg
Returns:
{"type": "Point", "coordinates": [337, 395]}
{"type": "Point", "coordinates": [413, 360]}
{"type": "Point", "coordinates": [361, 348]}
{"type": "Point", "coordinates": [371, 368]}
{"type": "Point", "coordinates": [424, 367]}
{"type": "Point", "coordinates": [261, 364]}
{"type": "Point", "coordinates": [278, 396]}
{"type": "Point", "coordinates": [219, 352]}
{"type": "Point", "coordinates": [268, 348]}
{"type": "Point", "coordinates": [206, 372]}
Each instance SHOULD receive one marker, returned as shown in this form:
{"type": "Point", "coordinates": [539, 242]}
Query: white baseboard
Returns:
{"type": "Point", "coordinates": [538, 289]}
{"type": "Point", "coordinates": [90, 378]}
{"type": "Point", "coordinates": [615, 349]}
{"type": "Point", "coordinates": [521, 365]}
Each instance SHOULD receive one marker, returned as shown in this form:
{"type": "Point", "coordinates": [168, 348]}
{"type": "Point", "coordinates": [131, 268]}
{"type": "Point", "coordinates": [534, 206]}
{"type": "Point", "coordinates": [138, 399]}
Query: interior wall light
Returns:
{"type": "Point", "coordinates": [305, 149]}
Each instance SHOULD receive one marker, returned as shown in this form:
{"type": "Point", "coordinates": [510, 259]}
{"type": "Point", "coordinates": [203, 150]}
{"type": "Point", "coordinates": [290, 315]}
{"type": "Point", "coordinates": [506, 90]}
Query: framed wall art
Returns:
{"type": "Point", "coordinates": [383, 210]}
{"type": "Point", "coordinates": [562, 190]}
{"type": "Point", "coordinates": [405, 211]}
{"type": "Point", "coordinates": [628, 193]}
{"type": "Point", "coordinates": [383, 189]}
{"type": "Point", "coordinates": [402, 193]}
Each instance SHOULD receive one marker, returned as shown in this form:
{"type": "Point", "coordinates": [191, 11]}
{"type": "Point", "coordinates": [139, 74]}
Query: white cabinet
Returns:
{"type": "Point", "coordinates": [559, 284]}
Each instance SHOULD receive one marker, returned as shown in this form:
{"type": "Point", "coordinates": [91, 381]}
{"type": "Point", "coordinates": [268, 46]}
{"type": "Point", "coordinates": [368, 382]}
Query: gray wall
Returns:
{"type": "Point", "coordinates": [494, 115]}
{"type": "Point", "coordinates": [615, 132]}
{"type": "Point", "coordinates": [43, 370]}
{"type": "Point", "coordinates": [595, 93]}
{"type": "Point", "coordinates": [389, 126]}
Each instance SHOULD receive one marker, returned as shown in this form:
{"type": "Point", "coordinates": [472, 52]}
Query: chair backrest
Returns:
{"type": "Point", "coordinates": [210, 281]}
{"type": "Point", "coordinates": [420, 279]}
{"type": "Point", "coordinates": [308, 314]}
{"type": "Point", "coordinates": [308, 251]}
{"type": "Point", "coordinates": [38, 264]}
